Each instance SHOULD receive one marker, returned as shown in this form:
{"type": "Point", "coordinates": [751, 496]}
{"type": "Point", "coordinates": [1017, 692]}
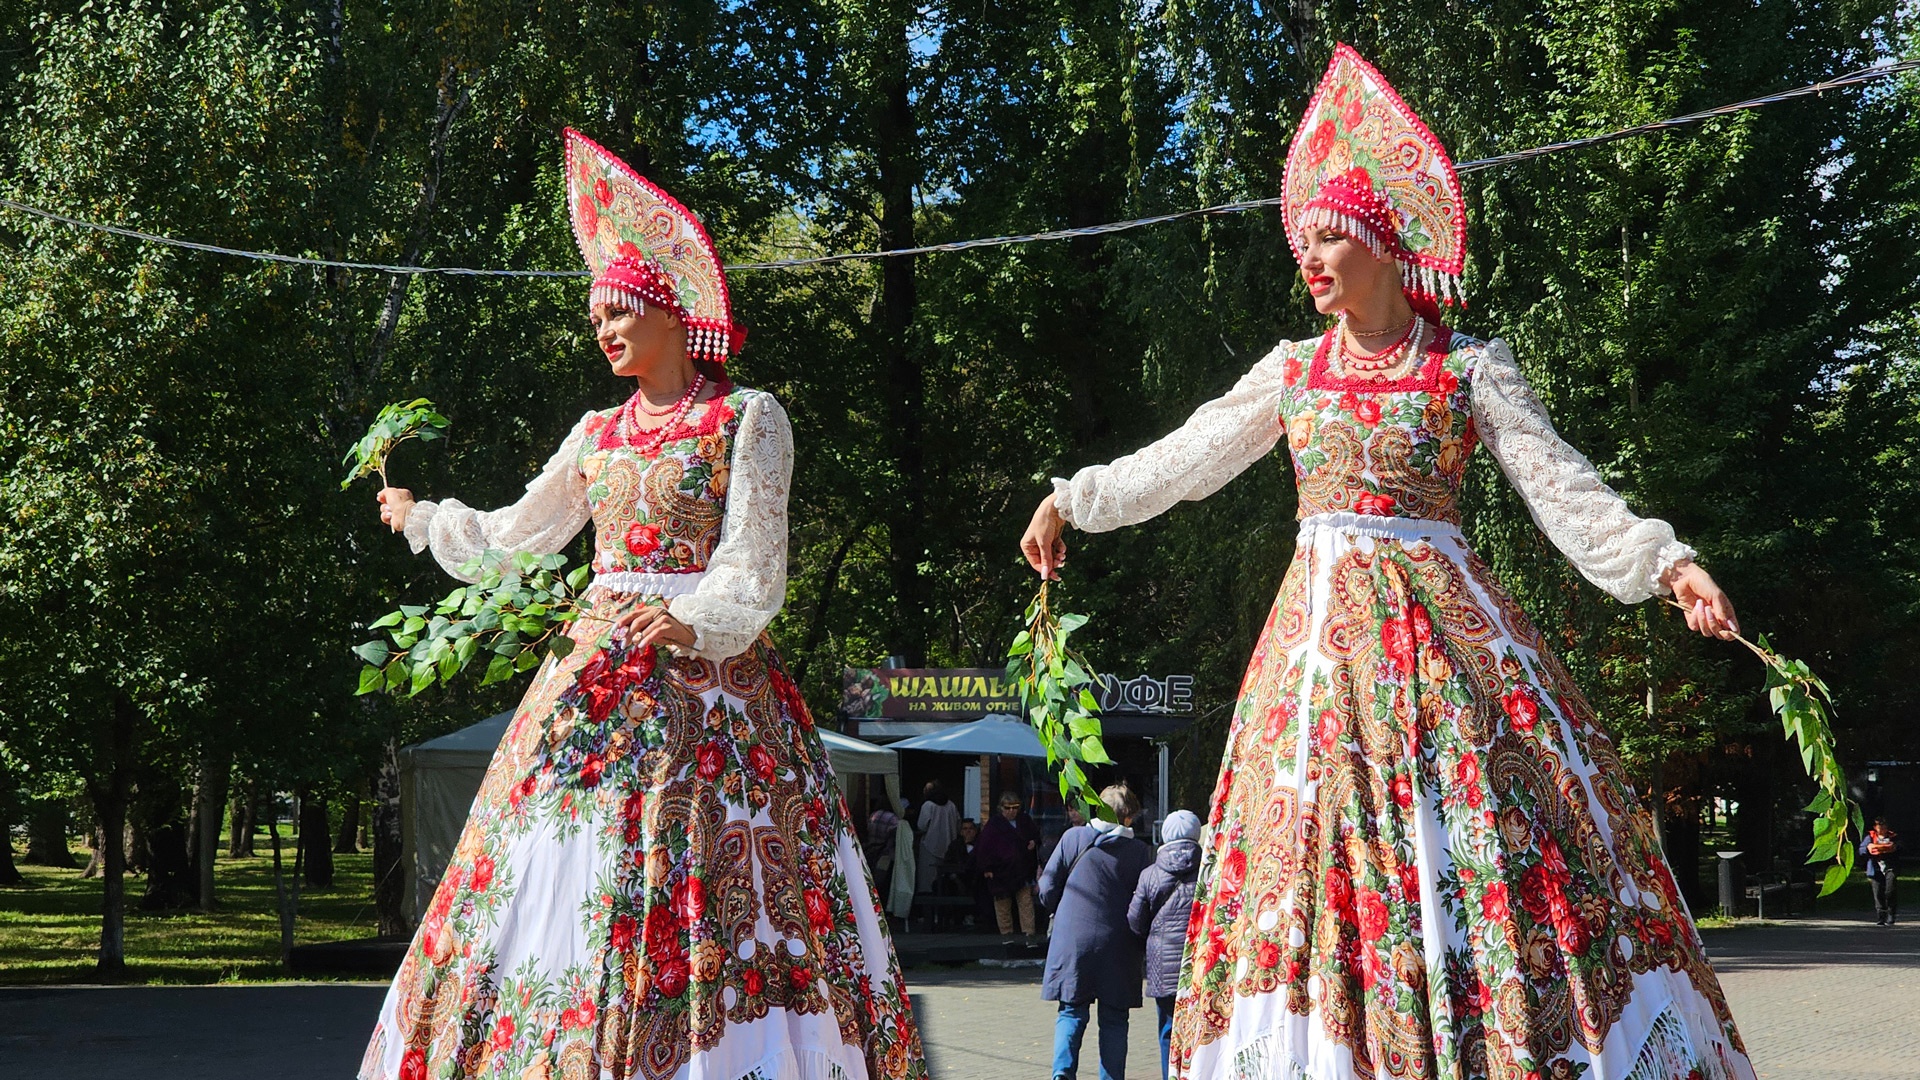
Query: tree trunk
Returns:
{"type": "Point", "coordinates": [286, 890]}
{"type": "Point", "coordinates": [246, 818]}
{"type": "Point", "coordinates": [110, 794]}
{"type": "Point", "coordinates": [161, 831]}
{"type": "Point", "coordinates": [170, 881]}
{"type": "Point", "coordinates": [389, 883]}
{"type": "Point", "coordinates": [898, 159]}
{"type": "Point", "coordinates": [346, 842]}
{"type": "Point", "coordinates": [210, 798]}
{"type": "Point", "coordinates": [316, 842]}
{"type": "Point", "coordinates": [47, 829]}
{"type": "Point", "coordinates": [9, 873]}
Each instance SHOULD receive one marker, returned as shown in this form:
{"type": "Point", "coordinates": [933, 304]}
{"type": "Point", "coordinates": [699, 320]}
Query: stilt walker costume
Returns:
{"type": "Point", "coordinates": [658, 878]}
{"type": "Point", "coordinates": [1423, 857]}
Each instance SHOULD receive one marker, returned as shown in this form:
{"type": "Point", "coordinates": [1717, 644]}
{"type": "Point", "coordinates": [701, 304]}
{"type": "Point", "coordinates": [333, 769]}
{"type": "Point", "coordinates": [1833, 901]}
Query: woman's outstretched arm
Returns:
{"type": "Point", "coordinates": [1217, 443]}
{"type": "Point", "coordinates": [543, 520]}
{"type": "Point", "coordinates": [1629, 556]}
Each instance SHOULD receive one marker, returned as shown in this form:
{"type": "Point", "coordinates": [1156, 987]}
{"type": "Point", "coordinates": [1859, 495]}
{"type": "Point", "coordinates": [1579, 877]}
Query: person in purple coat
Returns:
{"type": "Point", "coordinates": [1093, 956]}
{"type": "Point", "coordinates": [1162, 905]}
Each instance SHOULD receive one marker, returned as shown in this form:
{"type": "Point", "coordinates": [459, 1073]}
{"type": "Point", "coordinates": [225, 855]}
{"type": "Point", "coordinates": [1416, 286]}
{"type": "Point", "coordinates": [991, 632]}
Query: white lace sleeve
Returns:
{"type": "Point", "coordinates": [1216, 444]}
{"type": "Point", "coordinates": [1623, 554]}
{"type": "Point", "coordinates": [543, 521]}
{"type": "Point", "coordinates": [746, 580]}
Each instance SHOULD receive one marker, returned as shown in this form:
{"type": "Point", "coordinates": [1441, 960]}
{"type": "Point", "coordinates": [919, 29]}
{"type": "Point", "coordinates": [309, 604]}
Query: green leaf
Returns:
{"type": "Point", "coordinates": [372, 679]}
{"type": "Point", "coordinates": [391, 618]}
{"type": "Point", "coordinates": [1093, 751]}
{"type": "Point", "coordinates": [562, 645]}
{"type": "Point", "coordinates": [527, 660]}
{"type": "Point", "coordinates": [373, 652]}
{"type": "Point", "coordinates": [1836, 876]}
{"type": "Point", "coordinates": [499, 669]}
{"type": "Point", "coordinates": [577, 577]}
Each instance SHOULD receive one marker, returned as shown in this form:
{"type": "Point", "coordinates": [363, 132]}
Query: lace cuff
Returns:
{"type": "Point", "coordinates": [1216, 444]}
{"type": "Point", "coordinates": [543, 521]}
{"type": "Point", "coordinates": [746, 580]}
{"type": "Point", "coordinates": [1624, 554]}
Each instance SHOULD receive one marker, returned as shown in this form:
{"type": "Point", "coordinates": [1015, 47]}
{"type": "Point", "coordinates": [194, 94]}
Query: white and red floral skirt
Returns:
{"type": "Point", "coordinates": [1423, 859]}
{"type": "Point", "coordinates": [657, 880]}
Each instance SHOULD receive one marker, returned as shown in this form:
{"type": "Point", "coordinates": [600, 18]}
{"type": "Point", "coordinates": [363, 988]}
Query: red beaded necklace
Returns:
{"type": "Point", "coordinates": [630, 421]}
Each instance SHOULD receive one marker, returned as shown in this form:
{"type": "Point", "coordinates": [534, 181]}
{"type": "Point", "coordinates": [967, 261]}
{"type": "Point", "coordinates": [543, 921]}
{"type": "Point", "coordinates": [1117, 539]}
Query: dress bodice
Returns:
{"type": "Point", "coordinates": [660, 512]}
{"type": "Point", "coordinates": [1394, 449]}
{"type": "Point", "coordinates": [710, 504]}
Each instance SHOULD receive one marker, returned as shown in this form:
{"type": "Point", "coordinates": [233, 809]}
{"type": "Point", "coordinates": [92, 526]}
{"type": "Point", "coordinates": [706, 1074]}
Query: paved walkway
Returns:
{"type": "Point", "coordinates": [1832, 999]}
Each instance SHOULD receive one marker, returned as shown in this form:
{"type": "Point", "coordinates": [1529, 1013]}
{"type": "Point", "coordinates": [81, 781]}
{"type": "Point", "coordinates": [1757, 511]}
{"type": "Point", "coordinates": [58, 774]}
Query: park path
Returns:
{"type": "Point", "coordinates": [1817, 999]}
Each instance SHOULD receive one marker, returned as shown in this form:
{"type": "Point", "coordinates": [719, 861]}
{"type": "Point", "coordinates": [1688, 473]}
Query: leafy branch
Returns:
{"type": "Point", "coordinates": [515, 614]}
{"type": "Point", "coordinates": [395, 424]}
{"type": "Point", "coordinates": [1055, 686]}
{"type": "Point", "coordinates": [1803, 702]}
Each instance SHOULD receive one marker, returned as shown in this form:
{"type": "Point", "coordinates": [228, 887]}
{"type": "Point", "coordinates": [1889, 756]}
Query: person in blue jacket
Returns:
{"type": "Point", "coordinates": [1881, 846]}
{"type": "Point", "coordinates": [1093, 956]}
{"type": "Point", "coordinates": [1162, 905]}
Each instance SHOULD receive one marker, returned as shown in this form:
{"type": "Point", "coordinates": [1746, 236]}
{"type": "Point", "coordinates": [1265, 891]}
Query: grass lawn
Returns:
{"type": "Point", "coordinates": [50, 927]}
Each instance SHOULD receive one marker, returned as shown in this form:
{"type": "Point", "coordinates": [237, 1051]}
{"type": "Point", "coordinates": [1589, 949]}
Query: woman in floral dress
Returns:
{"type": "Point", "coordinates": [658, 878]}
{"type": "Point", "coordinates": [1423, 858]}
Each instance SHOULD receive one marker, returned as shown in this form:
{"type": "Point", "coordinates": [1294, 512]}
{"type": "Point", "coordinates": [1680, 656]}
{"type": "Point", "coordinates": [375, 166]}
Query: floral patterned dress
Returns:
{"type": "Point", "coordinates": [658, 878]}
{"type": "Point", "coordinates": [1423, 857]}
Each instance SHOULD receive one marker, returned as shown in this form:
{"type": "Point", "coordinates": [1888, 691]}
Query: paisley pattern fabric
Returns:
{"type": "Point", "coordinates": [658, 878]}
{"type": "Point", "coordinates": [1423, 858]}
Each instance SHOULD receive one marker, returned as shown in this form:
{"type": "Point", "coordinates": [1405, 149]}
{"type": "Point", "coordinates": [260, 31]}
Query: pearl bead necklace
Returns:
{"type": "Point", "coordinates": [630, 423]}
{"type": "Point", "coordinates": [1390, 363]}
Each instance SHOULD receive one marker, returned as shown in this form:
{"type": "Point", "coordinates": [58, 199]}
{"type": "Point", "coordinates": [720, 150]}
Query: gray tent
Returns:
{"type": "Point", "coordinates": [440, 777]}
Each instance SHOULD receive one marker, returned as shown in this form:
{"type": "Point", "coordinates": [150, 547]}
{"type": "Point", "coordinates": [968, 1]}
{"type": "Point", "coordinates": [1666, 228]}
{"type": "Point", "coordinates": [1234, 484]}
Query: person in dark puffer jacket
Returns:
{"type": "Point", "coordinates": [1162, 904]}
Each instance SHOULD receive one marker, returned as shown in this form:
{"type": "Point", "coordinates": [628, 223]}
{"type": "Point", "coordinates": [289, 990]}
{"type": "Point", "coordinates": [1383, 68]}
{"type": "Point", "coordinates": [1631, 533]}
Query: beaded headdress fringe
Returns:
{"type": "Point", "coordinates": [704, 340]}
{"type": "Point", "coordinates": [1436, 285]}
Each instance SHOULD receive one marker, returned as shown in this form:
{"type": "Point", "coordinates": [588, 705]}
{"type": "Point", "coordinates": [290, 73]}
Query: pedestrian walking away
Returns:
{"type": "Point", "coordinates": [1162, 906]}
{"type": "Point", "coordinates": [1093, 956]}
{"type": "Point", "coordinates": [937, 824]}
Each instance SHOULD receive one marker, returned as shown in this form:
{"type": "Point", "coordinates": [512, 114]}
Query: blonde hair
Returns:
{"type": "Point", "coordinates": [1122, 801]}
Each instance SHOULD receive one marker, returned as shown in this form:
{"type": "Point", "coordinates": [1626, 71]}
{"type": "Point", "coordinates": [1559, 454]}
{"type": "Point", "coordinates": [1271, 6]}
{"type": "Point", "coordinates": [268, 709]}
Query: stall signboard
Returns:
{"type": "Point", "coordinates": [970, 693]}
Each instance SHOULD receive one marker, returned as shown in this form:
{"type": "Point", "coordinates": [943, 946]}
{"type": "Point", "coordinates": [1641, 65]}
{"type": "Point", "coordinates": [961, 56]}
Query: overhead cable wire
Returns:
{"type": "Point", "coordinates": [1852, 78]}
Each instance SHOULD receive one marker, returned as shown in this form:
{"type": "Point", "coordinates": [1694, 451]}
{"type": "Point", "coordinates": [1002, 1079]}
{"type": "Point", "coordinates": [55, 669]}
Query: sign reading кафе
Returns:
{"type": "Point", "coordinates": [970, 693]}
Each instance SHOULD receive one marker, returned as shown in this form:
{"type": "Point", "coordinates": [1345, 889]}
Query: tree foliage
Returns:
{"type": "Point", "coordinates": [1721, 317]}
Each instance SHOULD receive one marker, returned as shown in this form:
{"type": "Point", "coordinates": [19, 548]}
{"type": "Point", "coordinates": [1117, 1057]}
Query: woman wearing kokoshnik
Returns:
{"type": "Point", "coordinates": [658, 878]}
{"type": "Point", "coordinates": [1423, 857]}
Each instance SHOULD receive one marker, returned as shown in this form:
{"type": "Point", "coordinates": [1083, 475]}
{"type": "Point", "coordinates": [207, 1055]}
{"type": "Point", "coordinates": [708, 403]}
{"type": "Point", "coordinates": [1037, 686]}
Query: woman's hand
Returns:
{"type": "Point", "coordinates": [1046, 552]}
{"type": "Point", "coordinates": [651, 625]}
{"type": "Point", "coordinates": [1708, 609]}
{"type": "Point", "coordinates": [395, 505]}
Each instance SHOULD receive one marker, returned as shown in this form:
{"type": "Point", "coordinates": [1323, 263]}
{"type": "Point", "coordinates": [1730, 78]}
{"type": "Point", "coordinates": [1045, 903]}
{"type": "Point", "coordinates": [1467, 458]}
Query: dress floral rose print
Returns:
{"type": "Point", "coordinates": [658, 878]}
{"type": "Point", "coordinates": [1423, 859]}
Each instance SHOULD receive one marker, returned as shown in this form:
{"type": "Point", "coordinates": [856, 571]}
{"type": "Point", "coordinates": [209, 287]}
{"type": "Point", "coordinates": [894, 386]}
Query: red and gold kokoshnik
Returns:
{"type": "Point", "coordinates": [645, 247]}
{"type": "Point", "coordinates": [1364, 163]}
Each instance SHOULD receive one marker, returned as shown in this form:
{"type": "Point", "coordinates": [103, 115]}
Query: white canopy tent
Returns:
{"type": "Point", "coordinates": [995, 733]}
{"type": "Point", "coordinates": [440, 777]}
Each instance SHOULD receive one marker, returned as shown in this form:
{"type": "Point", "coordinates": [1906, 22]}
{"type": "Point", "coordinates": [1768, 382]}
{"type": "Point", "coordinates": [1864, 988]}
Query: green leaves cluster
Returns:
{"type": "Point", "coordinates": [1055, 684]}
{"type": "Point", "coordinates": [1801, 700]}
{"type": "Point", "coordinates": [396, 423]}
{"type": "Point", "coordinates": [514, 614]}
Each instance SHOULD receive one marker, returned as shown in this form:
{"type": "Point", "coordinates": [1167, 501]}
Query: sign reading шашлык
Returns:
{"type": "Point", "coordinates": [970, 693]}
